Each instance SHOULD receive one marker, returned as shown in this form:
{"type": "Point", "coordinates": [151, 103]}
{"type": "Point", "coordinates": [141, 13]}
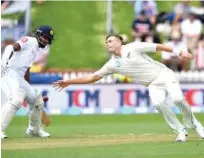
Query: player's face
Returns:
{"type": "Point", "coordinates": [44, 40]}
{"type": "Point", "coordinates": [112, 44]}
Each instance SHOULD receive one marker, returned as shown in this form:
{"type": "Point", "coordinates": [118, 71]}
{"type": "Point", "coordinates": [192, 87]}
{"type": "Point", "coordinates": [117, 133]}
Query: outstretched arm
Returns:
{"type": "Point", "coordinates": [163, 47]}
{"type": "Point", "coordinates": [27, 75]}
{"type": "Point", "coordinates": [154, 47]}
{"type": "Point", "coordinates": [105, 70]}
{"type": "Point", "coordinates": [59, 85]}
{"type": "Point", "coordinates": [166, 48]}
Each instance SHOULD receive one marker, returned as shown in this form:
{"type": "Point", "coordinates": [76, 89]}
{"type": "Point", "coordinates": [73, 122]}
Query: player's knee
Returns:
{"type": "Point", "coordinates": [158, 106]}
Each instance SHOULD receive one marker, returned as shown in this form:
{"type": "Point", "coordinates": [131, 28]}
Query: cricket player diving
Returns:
{"type": "Point", "coordinates": [132, 61]}
{"type": "Point", "coordinates": [16, 60]}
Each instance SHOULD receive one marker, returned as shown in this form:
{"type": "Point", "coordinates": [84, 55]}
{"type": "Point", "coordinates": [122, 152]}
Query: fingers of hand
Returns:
{"type": "Point", "coordinates": [187, 56]}
{"type": "Point", "coordinates": [191, 56]}
{"type": "Point", "coordinates": [59, 88]}
{"type": "Point", "coordinates": [58, 85]}
{"type": "Point", "coordinates": [57, 82]}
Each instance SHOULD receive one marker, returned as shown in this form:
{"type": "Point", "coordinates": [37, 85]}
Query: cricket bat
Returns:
{"type": "Point", "coordinates": [45, 118]}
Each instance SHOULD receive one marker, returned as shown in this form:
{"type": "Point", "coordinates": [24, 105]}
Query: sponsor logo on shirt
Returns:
{"type": "Point", "coordinates": [118, 64]}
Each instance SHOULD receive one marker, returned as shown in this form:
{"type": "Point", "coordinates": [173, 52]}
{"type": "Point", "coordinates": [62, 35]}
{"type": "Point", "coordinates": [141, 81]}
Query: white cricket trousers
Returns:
{"type": "Point", "coordinates": [16, 89]}
{"type": "Point", "coordinates": [11, 82]}
{"type": "Point", "coordinates": [165, 84]}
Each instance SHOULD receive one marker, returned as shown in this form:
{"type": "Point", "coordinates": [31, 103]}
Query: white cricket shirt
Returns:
{"type": "Point", "coordinates": [21, 60]}
{"type": "Point", "coordinates": [134, 63]}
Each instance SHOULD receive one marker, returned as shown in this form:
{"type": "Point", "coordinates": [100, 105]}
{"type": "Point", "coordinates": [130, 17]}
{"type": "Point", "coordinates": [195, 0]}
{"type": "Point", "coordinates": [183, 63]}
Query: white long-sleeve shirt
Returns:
{"type": "Point", "coordinates": [134, 63]}
{"type": "Point", "coordinates": [21, 60]}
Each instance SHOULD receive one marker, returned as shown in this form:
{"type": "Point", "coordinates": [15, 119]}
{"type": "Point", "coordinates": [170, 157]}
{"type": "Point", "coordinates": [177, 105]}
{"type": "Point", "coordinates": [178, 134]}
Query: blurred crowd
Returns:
{"type": "Point", "coordinates": [180, 28]}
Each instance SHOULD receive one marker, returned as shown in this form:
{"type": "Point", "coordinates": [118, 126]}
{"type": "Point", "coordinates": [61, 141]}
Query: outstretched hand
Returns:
{"type": "Point", "coordinates": [60, 84]}
{"type": "Point", "coordinates": [186, 55]}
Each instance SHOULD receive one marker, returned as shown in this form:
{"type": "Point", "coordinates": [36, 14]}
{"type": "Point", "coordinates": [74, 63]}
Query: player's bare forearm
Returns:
{"type": "Point", "coordinates": [27, 75]}
{"type": "Point", "coordinates": [181, 53]}
{"type": "Point", "coordinates": [84, 80]}
{"type": "Point", "coordinates": [163, 47]}
{"type": "Point", "coordinates": [59, 85]}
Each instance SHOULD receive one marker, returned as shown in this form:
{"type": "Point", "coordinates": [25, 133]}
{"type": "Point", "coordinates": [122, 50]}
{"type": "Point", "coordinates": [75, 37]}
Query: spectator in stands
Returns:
{"type": "Point", "coordinates": [39, 1]}
{"type": "Point", "coordinates": [125, 38]}
{"type": "Point", "coordinates": [181, 11]}
{"type": "Point", "coordinates": [40, 61]}
{"type": "Point", "coordinates": [202, 3]}
{"type": "Point", "coordinates": [142, 29]}
{"type": "Point", "coordinates": [149, 7]}
{"type": "Point", "coordinates": [171, 60]}
{"type": "Point", "coordinates": [191, 29]}
{"type": "Point", "coordinates": [5, 4]}
{"type": "Point", "coordinates": [199, 54]}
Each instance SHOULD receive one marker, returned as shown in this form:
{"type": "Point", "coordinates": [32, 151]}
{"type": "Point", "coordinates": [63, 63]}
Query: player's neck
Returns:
{"type": "Point", "coordinates": [118, 52]}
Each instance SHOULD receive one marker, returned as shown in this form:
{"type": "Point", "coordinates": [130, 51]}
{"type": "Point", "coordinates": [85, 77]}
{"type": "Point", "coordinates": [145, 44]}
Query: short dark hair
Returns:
{"type": "Point", "coordinates": [142, 12]}
{"type": "Point", "coordinates": [192, 14]}
{"type": "Point", "coordinates": [115, 35]}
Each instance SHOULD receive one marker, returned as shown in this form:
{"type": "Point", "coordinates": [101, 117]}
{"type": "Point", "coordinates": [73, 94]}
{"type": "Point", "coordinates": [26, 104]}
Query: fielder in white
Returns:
{"type": "Point", "coordinates": [16, 60]}
{"type": "Point", "coordinates": [131, 60]}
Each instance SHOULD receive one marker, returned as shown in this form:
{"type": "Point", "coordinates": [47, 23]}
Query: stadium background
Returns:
{"type": "Point", "coordinates": [79, 48]}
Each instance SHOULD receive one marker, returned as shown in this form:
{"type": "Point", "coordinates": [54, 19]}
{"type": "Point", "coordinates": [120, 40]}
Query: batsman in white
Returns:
{"type": "Point", "coordinates": [131, 60]}
{"type": "Point", "coordinates": [16, 60]}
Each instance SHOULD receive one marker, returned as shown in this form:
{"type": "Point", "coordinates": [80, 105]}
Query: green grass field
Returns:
{"type": "Point", "coordinates": [102, 136]}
